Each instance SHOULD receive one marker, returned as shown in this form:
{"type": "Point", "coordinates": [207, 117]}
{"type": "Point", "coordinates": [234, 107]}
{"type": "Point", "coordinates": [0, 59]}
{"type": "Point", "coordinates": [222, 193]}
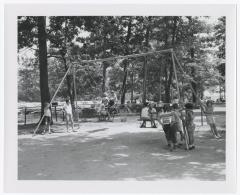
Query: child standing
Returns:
{"type": "Point", "coordinates": [208, 110]}
{"type": "Point", "coordinates": [47, 118]}
{"type": "Point", "coordinates": [165, 120]}
{"type": "Point", "coordinates": [189, 124]}
{"type": "Point", "coordinates": [144, 114]}
{"type": "Point", "coordinates": [177, 122]}
{"type": "Point", "coordinates": [153, 115]}
{"type": "Point", "coordinates": [68, 112]}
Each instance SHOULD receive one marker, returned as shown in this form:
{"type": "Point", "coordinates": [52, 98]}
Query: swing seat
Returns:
{"type": "Point", "coordinates": [144, 121]}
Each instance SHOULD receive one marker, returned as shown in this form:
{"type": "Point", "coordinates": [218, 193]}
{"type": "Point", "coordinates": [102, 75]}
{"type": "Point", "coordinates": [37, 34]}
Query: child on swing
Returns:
{"type": "Point", "coordinates": [68, 112]}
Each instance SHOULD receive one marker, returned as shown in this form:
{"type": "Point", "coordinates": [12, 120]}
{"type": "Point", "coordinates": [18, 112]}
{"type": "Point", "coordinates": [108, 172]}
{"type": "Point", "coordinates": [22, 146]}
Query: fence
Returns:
{"type": "Point", "coordinates": [31, 114]}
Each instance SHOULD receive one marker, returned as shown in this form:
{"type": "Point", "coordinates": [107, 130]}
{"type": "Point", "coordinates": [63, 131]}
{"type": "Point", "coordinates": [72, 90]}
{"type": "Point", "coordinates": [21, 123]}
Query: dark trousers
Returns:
{"type": "Point", "coordinates": [214, 129]}
{"type": "Point", "coordinates": [170, 133]}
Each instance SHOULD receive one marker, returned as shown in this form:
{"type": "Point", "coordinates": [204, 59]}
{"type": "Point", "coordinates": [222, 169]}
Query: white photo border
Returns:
{"type": "Point", "coordinates": [10, 95]}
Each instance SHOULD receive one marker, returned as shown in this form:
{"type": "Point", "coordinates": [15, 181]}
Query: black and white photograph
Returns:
{"type": "Point", "coordinates": [121, 98]}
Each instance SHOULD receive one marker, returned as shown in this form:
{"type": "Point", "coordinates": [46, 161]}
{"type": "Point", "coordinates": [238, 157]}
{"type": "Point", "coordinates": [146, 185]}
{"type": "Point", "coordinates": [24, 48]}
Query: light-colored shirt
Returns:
{"type": "Point", "coordinates": [47, 111]}
{"type": "Point", "coordinates": [145, 112]}
{"type": "Point", "coordinates": [166, 118]}
{"type": "Point", "coordinates": [176, 117]}
{"type": "Point", "coordinates": [67, 108]}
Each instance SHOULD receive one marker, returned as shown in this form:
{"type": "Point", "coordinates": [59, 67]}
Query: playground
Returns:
{"type": "Point", "coordinates": [138, 103]}
{"type": "Point", "coordinates": [119, 151]}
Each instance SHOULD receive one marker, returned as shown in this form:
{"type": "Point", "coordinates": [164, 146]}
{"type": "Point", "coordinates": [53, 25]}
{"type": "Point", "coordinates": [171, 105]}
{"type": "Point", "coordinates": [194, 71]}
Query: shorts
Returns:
{"type": "Point", "coordinates": [210, 119]}
{"type": "Point", "coordinates": [69, 117]}
{"type": "Point", "coordinates": [47, 120]}
{"type": "Point", "coordinates": [190, 127]}
{"type": "Point", "coordinates": [176, 127]}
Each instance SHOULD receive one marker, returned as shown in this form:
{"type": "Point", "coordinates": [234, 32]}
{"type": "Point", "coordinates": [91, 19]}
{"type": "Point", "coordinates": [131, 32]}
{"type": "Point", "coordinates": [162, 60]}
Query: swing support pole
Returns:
{"type": "Point", "coordinates": [59, 86]}
{"type": "Point", "coordinates": [74, 83]}
{"type": "Point", "coordinates": [175, 73]}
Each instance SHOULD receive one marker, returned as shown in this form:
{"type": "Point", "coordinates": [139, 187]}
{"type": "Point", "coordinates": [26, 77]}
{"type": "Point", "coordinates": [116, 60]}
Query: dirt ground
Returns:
{"type": "Point", "coordinates": [118, 151]}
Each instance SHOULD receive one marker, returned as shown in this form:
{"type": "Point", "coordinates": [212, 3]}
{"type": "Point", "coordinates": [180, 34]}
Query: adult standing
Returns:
{"type": "Point", "coordinates": [208, 109]}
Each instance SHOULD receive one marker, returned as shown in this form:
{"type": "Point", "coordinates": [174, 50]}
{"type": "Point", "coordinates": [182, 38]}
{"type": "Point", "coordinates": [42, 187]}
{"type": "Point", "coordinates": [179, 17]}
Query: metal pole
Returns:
{"type": "Point", "coordinates": [126, 56]}
{"type": "Point", "coordinates": [74, 83]}
{"type": "Point", "coordinates": [187, 79]}
{"type": "Point", "coordinates": [186, 76]}
{"type": "Point", "coordinates": [201, 116]}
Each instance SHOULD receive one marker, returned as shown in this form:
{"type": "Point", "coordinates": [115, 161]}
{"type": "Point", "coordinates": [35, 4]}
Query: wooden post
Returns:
{"type": "Point", "coordinates": [201, 116]}
{"type": "Point", "coordinates": [55, 112]}
{"type": "Point", "coordinates": [25, 116]}
{"type": "Point", "coordinates": [144, 79]}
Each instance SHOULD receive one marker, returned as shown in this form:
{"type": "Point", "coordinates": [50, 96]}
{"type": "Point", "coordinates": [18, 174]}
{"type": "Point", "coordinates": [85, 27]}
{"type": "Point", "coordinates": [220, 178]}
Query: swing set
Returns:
{"type": "Point", "coordinates": [72, 66]}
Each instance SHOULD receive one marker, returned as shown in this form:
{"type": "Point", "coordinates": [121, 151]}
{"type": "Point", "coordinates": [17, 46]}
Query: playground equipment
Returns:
{"type": "Point", "coordinates": [175, 63]}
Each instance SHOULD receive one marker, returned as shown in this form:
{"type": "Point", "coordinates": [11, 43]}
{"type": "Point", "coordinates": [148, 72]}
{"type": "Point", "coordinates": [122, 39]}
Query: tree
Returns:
{"type": "Point", "coordinates": [43, 65]}
{"type": "Point", "coordinates": [32, 31]}
{"type": "Point", "coordinates": [62, 31]}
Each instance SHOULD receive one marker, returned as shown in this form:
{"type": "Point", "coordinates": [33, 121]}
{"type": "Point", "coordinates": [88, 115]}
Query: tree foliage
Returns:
{"type": "Point", "coordinates": [199, 46]}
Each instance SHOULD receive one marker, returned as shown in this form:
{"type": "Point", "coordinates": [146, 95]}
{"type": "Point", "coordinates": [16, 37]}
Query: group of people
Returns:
{"type": "Point", "coordinates": [175, 119]}
{"type": "Point", "coordinates": [67, 109]}
{"type": "Point", "coordinates": [107, 104]}
{"type": "Point", "coordinates": [148, 113]}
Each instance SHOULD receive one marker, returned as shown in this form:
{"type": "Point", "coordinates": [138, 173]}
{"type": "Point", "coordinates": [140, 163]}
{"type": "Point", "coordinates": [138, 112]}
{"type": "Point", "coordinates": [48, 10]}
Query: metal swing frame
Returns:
{"type": "Point", "coordinates": [72, 65]}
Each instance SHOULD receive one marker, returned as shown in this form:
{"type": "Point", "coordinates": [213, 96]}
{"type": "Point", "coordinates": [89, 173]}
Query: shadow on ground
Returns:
{"type": "Point", "coordinates": [119, 151]}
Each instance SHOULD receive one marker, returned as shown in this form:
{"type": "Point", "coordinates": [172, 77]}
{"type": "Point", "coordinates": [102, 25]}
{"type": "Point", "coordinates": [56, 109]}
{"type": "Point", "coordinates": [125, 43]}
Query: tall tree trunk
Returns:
{"type": "Point", "coordinates": [104, 78]}
{"type": "Point", "coordinates": [132, 85]}
{"type": "Point", "coordinates": [160, 84]}
{"type": "Point", "coordinates": [168, 83]}
{"type": "Point", "coordinates": [43, 65]}
{"type": "Point", "coordinates": [193, 73]}
{"type": "Point", "coordinates": [123, 90]}
{"type": "Point", "coordinates": [144, 80]}
{"type": "Point", "coordinates": [147, 36]}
